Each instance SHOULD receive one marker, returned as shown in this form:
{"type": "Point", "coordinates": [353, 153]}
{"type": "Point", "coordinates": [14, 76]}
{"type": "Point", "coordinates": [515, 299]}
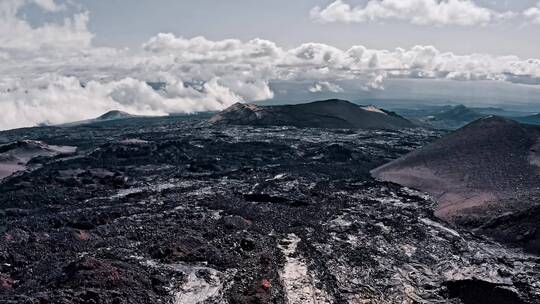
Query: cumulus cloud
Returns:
{"type": "Point", "coordinates": [61, 77]}
{"type": "Point", "coordinates": [203, 50]}
{"type": "Point", "coordinates": [18, 35]}
{"type": "Point", "coordinates": [533, 14]}
{"type": "Point", "coordinates": [421, 12]}
{"type": "Point", "coordinates": [50, 5]}
{"type": "Point", "coordinates": [374, 81]}
{"type": "Point", "coordinates": [325, 86]}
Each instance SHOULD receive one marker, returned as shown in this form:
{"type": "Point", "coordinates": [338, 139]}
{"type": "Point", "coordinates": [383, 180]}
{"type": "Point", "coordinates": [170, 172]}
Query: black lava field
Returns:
{"type": "Point", "coordinates": [174, 210]}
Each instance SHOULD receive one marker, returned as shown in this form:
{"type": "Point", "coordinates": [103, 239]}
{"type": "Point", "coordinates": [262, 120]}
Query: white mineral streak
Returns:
{"type": "Point", "coordinates": [202, 284]}
{"type": "Point", "coordinates": [299, 283]}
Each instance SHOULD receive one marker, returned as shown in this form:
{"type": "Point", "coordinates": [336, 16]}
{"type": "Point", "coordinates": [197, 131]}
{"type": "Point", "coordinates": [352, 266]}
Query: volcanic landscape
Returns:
{"type": "Point", "coordinates": [180, 210]}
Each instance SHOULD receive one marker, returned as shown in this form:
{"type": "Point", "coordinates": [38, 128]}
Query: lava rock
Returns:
{"type": "Point", "coordinates": [82, 235]}
{"type": "Point", "coordinates": [247, 244]}
{"type": "Point", "coordinates": [482, 292]}
{"type": "Point", "coordinates": [6, 283]}
{"type": "Point", "coordinates": [235, 222]}
{"type": "Point", "coordinates": [93, 272]}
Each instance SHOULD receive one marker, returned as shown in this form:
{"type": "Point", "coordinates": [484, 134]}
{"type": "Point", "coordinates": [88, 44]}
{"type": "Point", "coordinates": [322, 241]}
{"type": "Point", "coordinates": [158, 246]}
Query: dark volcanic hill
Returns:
{"type": "Point", "coordinates": [478, 173]}
{"type": "Point", "coordinates": [452, 117]}
{"type": "Point", "coordinates": [332, 113]}
{"type": "Point", "coordinates": [109, 116]}
{"type": "Point", "coordinates": [115, 114]}
{"type": "Point", "coordinates": [458, 113]}
{"type": "Point", "coordinates": [446, 117]}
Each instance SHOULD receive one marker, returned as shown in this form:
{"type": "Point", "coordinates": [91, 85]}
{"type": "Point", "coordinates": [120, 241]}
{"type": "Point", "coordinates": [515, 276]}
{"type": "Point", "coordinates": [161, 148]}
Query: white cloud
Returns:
{"type": "Point", "coordinates": [325, 86]}
{"type": "Point", "coordinates": [533, 14]}
{"type": "Point", "coordinates": [210, 75]}
{"type": "Point", "coordinates": [52, 73]}
{"type": "Point", "coordinates": [203, 50]}
{"type": "Point", "coordinates": [50, 5]}
{"type": "Point", "coordinates": [421, 12]}
{"type": "Point", "coordinates": [17, 34]}
{"type": "Point", "coordinates": [58, 99]}
{"type": "Point", "coordinates": [374, 81]}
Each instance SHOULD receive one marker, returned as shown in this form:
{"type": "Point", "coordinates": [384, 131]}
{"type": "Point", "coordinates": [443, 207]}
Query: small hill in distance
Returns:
{"type": "Point", "coordinates": [458, 113]}
{"type": "Point", "coordinates": [532, 119]}
{"type": "Point", "coordinates": [110, 116]}
{"type": "Point", "coordinates": [496, 111]}
{"type": "Point", "coordinates": [446, 117]}
{"type": "Point", "coordinates": [114, 115]}
{"type": "Point", "coordinates": [453, 117]}
{"type": "Point", "coordinates": [333, 113]}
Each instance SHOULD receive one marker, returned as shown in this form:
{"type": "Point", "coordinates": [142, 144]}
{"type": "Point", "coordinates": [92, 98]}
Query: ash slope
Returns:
{"type": "Point", "coordinates": [15, 156]}
{"type": "Point", "coordinates": [332, 113]}
{"type": "Point", "coordinates": [479, 173]}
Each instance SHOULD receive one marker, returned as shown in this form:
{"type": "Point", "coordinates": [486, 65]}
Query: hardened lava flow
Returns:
{"type": "Point", "coordinates": [173, 210]}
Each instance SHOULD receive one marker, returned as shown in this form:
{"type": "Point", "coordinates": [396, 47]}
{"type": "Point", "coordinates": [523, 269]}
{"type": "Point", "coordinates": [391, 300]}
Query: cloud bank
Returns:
{"type": "Point", "coordinates": [420, 12]}
{"type": "Point", "coordinates": [52, 73]}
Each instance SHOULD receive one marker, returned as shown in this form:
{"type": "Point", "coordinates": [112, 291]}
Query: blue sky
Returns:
{"type": "Point", "coordinates": [130, 23]}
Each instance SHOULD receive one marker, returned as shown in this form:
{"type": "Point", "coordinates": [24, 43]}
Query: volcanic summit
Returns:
{"type": "Point", "coordinates": [333, 113]}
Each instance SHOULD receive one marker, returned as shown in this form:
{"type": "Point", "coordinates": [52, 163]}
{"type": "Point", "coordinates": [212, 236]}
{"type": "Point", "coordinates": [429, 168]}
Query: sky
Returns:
{"type": "Point", "coordinates": [288, 23]}
{"type": "Point", "coordinates": [68, 60]}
